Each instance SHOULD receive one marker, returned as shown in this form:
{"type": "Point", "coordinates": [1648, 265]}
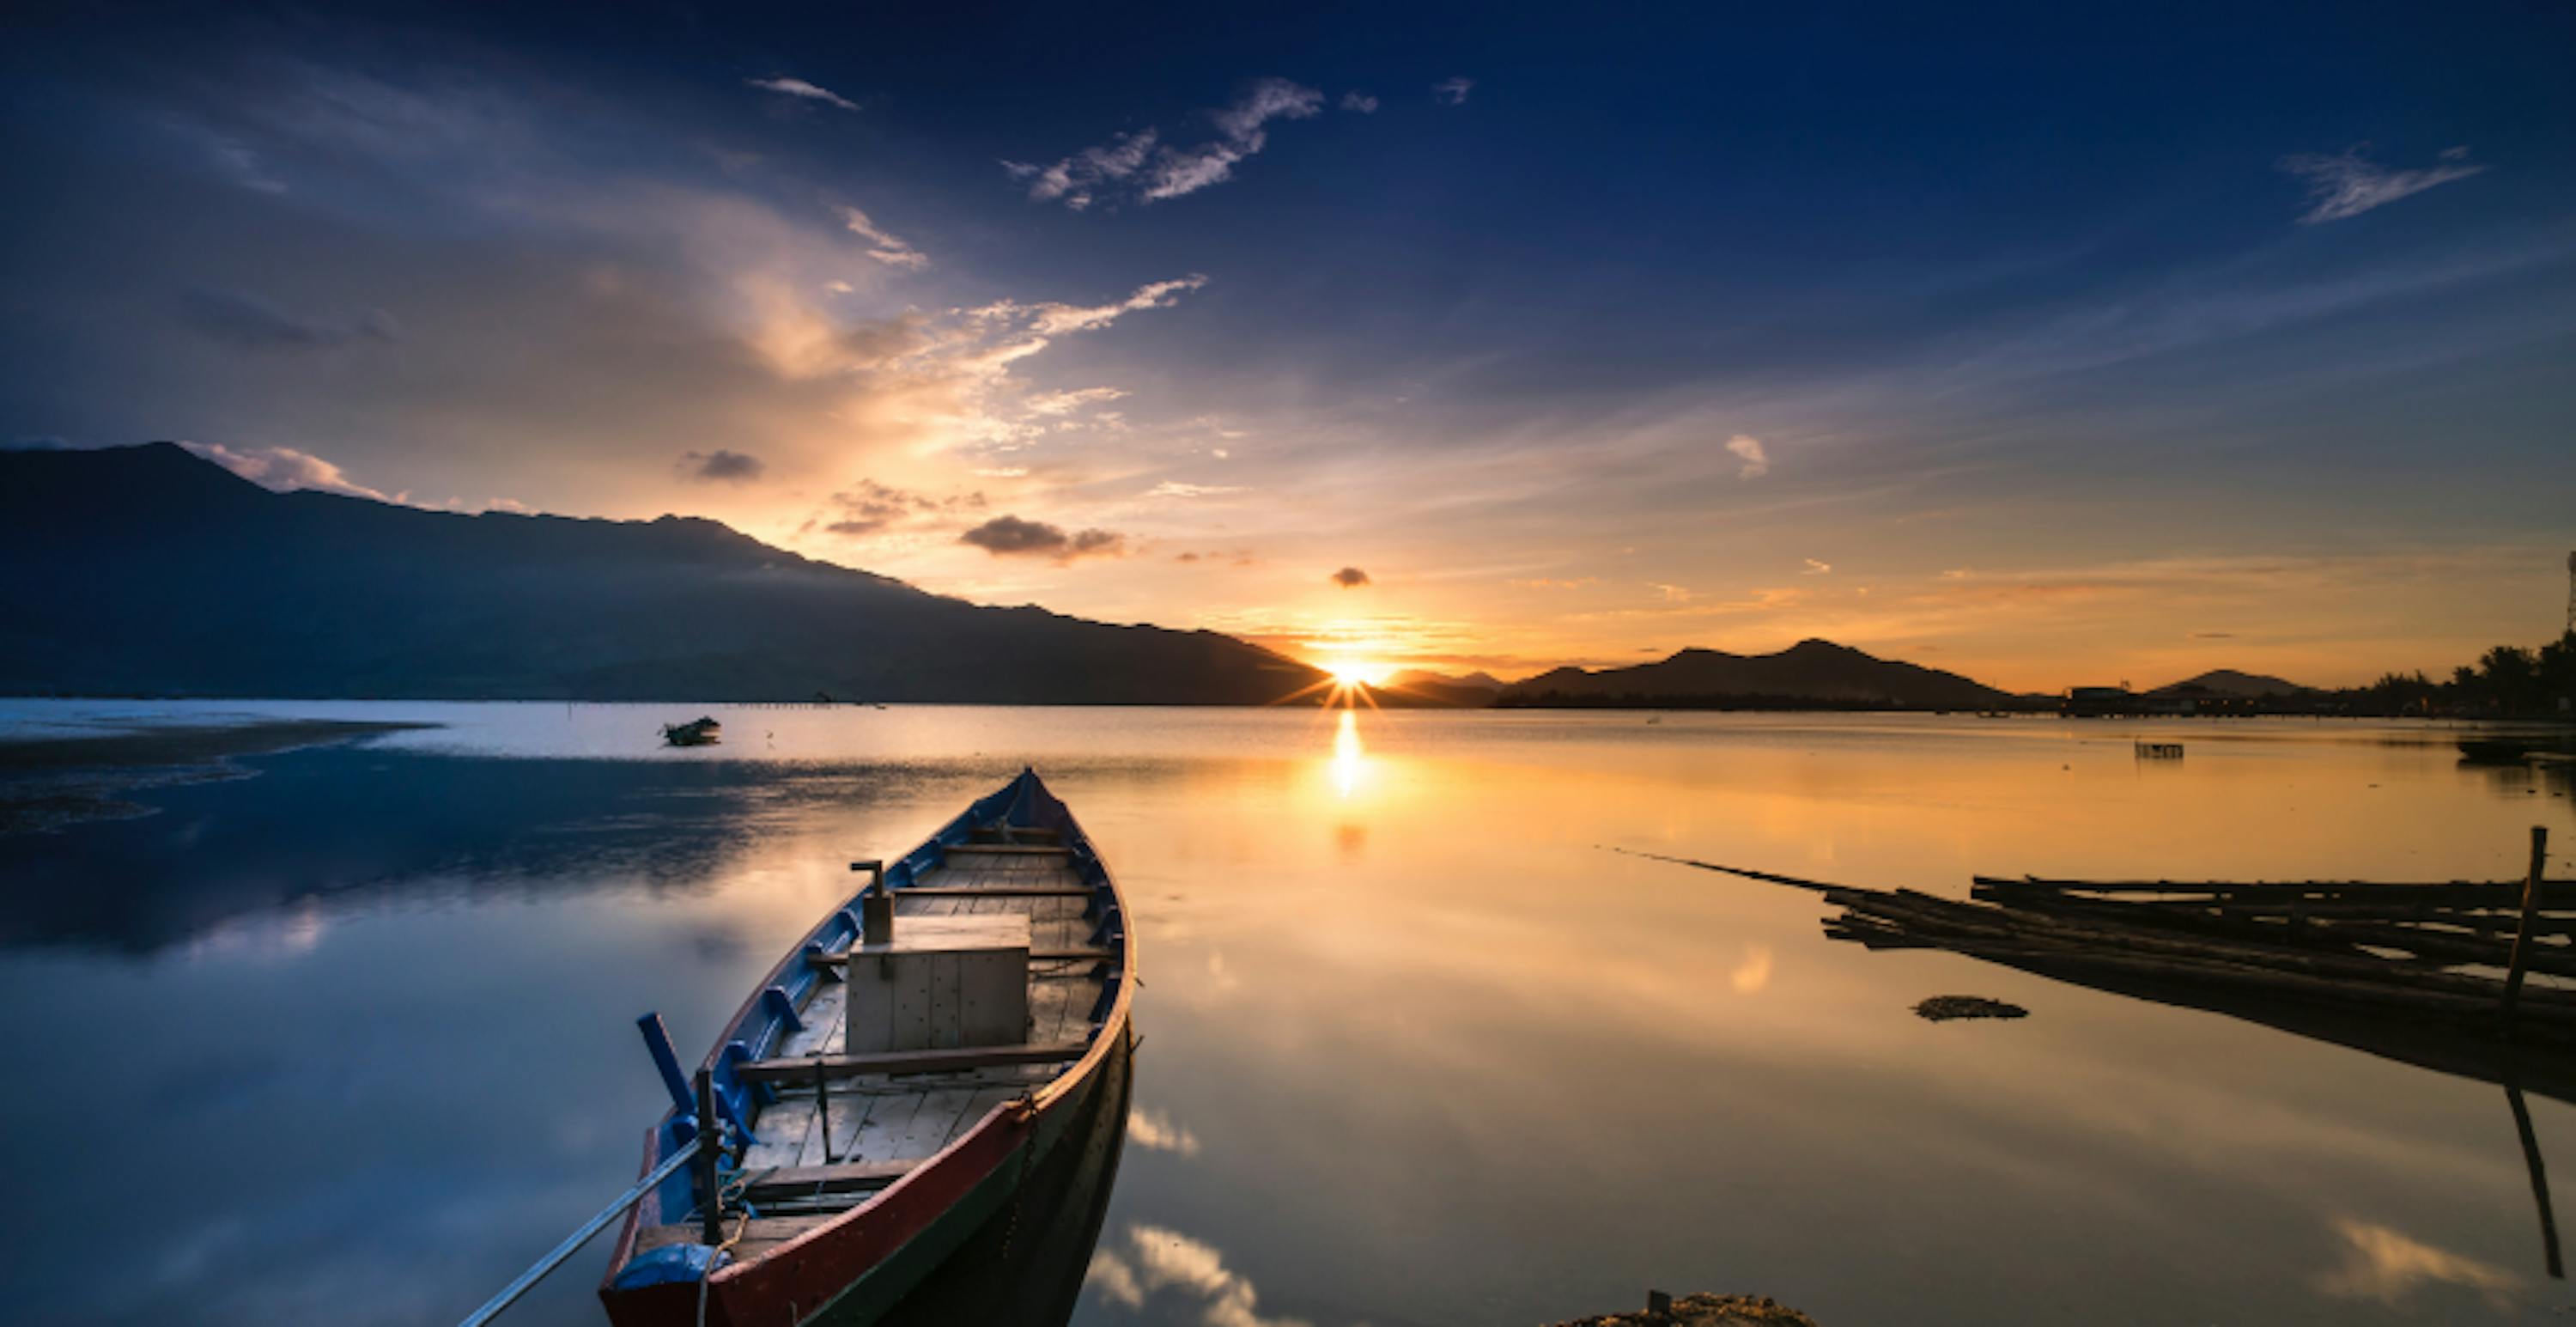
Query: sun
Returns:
{"type": "Point", "coordinates": [1356, 673]}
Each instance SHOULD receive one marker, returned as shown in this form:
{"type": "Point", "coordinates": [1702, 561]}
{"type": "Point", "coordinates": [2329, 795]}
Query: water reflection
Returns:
{"type": "Point", "coordinates": [2389, 1266]}
{"type": "Point", "coordinates": [1154, 1260]}
{"type": "Point", "coordinates": [1351, 767]}
{"type": "Point", "coordinates": [1420, 1051]}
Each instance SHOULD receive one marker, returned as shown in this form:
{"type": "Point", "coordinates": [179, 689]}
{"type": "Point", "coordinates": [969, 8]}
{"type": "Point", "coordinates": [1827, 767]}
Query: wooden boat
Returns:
{"type": "Point", "coordinates": [901, 1074]}
{"type": "Point", "coordinates": [697, 732]}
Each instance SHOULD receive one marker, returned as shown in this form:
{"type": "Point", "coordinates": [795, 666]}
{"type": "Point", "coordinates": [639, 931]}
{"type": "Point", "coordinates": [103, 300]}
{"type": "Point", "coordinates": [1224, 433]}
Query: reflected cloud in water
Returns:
{"type": "Point", "coordinates": [2388, 1266]}
{"type": "Point", "coordinates": [1154, 1260]}
{"type": "Point", "coordinates": [1754, 973]}
{"type": "Point", "coordinates": [1155, 1131]}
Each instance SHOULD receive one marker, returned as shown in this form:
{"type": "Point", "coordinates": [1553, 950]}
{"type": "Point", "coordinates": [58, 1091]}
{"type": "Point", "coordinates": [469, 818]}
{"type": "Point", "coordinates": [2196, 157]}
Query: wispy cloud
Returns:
{"type": "Point", "coordinates": [889, 250]}
{"type": "Point", "coordinates": [1143, 165]}
{"type": "Point", "coordinates": [1360, 102]}
{"type": "Point", "coordinates": [1350, 578]}
{"type": "Point", "coordinates": [1757, 461]}
{"type": "Point", "coordinates": [1816, 568]}
{"type": "Point", "coordinates": [1173, 488]}
{"type": "Point", "coordinates": [1053, 319]}
{"type": "Point", "coordinates": [1453, 91]}
{"type": "Point", "coordinates": [286, 469]}
{"type": "Point", "coordinates": [871, 507]}
{"type": "Point", "coordinates": [240, 318]}
{"type": "Point", "coordinates": [2348, 183]}
{"type": "Point", "coordinates": [1067, 402]}
{"type": "Point", "coordinates": [799, 88]}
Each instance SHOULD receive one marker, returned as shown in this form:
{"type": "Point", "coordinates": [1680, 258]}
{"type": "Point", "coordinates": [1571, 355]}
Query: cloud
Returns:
{"type": "Point", "coordinates": [1140, 163]}
{"type": "Point", "coordinates": [720, 465]}
{"type": "Point", "coordinates": [1065, 403]}
{"type": "Point", "coordinates": [1556, 583]}
{"type": "Point", "coordinates": [1350, 578]}
{"type": "Point", "coordinates": [1051, 319]}
{"type": "Point", "coordinates": [1360, 102]}
{"type": "Point", "coordinates": [1453, 91]}
{"type": "Point", "coordinates": [1815, 568]}
{"type": "Point", "coordinates": [286, 469]}
{"type": "Point", "coordinates": [2348, 183]}
{"type": "Point", "coordinates": [239, 318]}
{"type": "Point", "coordinates": [1173, 488]}
{"type": "Point", "coordinates": [890, 251]}
{"type": "Point", "coordinates": [797, 87]}
{"type": "Point", "coordinates": [238, 163]}
{"type": "Point", "coordinates": [1077, 180]}
{"type": "Point", "coordinates": [1757, 462]}
{"type": "Point", "coordinates": [1185, 171]}
{"type": "Point", "coordinates": [869, 507]}
{"type": "Point", "coordinates": [1155, 1132]}
{"type": "Point", "coordinates": [1009, 536]}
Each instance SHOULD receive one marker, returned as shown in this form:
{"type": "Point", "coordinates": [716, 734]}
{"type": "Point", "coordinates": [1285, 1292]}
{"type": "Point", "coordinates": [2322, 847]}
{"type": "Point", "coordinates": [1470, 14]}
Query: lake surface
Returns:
{"type": "Point", "coordinates": [352, 1040]}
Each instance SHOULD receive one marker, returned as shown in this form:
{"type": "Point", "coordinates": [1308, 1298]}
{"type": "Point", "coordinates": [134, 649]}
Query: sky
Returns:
{"type": "Point", "coordinates": [2050, 344]}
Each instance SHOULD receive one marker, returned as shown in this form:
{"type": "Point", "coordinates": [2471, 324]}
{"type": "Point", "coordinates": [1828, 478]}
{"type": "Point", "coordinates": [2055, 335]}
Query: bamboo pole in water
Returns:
{"type": "Point", "coordinates": [2522, 933]}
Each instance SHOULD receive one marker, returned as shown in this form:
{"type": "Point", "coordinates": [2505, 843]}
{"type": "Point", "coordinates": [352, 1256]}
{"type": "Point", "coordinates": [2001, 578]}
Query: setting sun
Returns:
{"type": "Point", "coordinates": [1352, 673]}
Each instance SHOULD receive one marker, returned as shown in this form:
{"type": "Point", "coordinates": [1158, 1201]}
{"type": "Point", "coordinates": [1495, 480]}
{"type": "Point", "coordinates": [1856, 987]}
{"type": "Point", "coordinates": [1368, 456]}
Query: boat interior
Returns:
{"type": "Point", "coordinates": [998, 964]}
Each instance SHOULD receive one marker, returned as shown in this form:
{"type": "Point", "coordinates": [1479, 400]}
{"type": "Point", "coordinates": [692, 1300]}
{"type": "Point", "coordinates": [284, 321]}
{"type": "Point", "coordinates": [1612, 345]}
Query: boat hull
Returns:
{"type": "Point", "coordinates": [857, 1267]}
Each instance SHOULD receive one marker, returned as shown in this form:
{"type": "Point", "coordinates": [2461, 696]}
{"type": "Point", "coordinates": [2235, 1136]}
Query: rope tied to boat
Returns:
{"type": "Point", "coordinates": [724, 1250]}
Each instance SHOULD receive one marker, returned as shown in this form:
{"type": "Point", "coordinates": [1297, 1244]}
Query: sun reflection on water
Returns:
{"type": "Point", "coordinates": [1351, 766]}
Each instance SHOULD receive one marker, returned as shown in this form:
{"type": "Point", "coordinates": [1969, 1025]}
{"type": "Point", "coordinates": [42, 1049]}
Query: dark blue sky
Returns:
{"type": "Point", "coordinates": [2025, 340]}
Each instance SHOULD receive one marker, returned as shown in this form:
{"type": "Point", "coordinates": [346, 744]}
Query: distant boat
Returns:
{"type": "Point", "coordinates": [935, 1041]}
{"type": "Point", "coordinates": [700, 732]}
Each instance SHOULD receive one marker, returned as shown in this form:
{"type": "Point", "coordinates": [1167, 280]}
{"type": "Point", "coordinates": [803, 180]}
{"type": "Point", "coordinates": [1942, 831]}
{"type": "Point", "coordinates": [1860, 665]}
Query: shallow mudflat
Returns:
{"type": "Point", "coordinates": [53, 778]}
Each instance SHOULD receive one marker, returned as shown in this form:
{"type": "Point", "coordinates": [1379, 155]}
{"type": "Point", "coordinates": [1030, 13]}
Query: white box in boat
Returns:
{"type": "Point", "coordinates": [941, 983]}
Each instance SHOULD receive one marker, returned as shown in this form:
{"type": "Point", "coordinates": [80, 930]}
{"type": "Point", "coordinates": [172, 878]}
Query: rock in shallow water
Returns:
{"type": "Point", "coordinates": [1943, 1008]}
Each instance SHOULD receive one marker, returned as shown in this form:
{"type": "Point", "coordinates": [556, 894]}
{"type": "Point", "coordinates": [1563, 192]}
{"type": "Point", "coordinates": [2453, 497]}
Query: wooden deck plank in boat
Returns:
{"type": "Point", "coordinates": [785, 1130]}
{"type": "Point", "coordinates": [875, 1140]}
{"type": "Point", "coordinates": [928, 1129]}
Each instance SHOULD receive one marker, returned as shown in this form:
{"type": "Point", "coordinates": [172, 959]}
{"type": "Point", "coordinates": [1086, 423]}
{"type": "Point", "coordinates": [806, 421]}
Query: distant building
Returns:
{"type": "Point", "coordinates": [2097, 702]}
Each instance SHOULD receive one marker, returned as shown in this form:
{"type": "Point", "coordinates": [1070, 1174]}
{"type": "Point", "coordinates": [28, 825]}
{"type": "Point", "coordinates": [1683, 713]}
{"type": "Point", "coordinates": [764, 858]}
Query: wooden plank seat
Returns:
{"type": "Point", "coordinates": [814, 1181]}
{"type": "Point", "coordinates": [839, 957]}
{"type": "Point", "coordinates": [793, 1070]}
{"type": "Point", "coordinates": [1010, 849]}
{"type": "Point", "coordinates": [995, 891]}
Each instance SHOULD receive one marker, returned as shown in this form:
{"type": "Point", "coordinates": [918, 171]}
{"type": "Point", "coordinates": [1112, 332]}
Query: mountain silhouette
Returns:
{"type": "Point", "coordinates": [1811, 670]}
{"type": "Point", "coordinates": [2229, 682]}
{"type": "Point", "coordinates": [148, 571]}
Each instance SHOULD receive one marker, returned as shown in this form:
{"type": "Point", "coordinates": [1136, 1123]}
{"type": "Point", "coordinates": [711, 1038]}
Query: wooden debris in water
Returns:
{"type": "Point", "coordinates": [1943, 1008]}
{"type": "Point", "coordinates": [1703, 1310]}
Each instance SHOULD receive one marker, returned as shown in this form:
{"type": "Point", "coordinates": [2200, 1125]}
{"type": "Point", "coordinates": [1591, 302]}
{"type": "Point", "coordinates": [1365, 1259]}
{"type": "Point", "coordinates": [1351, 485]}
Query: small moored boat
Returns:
{"type": "Point", "coordinates": [697, 732]}
{"type": "Point", "coordinates": [890, 1084]}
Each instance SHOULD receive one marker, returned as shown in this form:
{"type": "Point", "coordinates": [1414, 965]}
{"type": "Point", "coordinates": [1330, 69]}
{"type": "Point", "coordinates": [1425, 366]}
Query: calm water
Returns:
{"type": "Point", "coordinates": [351, 1041]}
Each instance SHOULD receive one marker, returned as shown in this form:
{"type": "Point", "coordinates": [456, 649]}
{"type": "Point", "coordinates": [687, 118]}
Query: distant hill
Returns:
{"type": "Point", "coordinates": [2229, 682]}
{"type": "Point", "coordinates": [148, 571]}
{"type": "Point", "coordinates": [1422, 686]}
{"type": "Point", "coordinates": [1809, 671]}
